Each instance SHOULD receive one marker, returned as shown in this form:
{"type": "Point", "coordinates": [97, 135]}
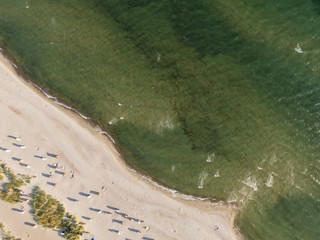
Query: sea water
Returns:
{"type": "Point", "coordinates": [214, 98]}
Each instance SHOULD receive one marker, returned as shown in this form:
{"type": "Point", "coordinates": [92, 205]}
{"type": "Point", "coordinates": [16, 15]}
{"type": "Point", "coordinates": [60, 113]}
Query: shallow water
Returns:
{"type": "Point", "coordinates": [217, 99]}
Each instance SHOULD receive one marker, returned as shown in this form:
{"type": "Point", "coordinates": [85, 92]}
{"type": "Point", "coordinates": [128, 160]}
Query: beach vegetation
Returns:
{"type": "Point", "coordinates": [47, 210]}
{"type": "Point", "coordinates": [1, 174]}
{"type": "Point", "coordinates": [71, 227]}
{"type": "Point", "coordinates": [17, 180]}
{"type": "Point", "coordinates": [6, 235]}
{"type": "Point", "coordinates": [50, 213]}
{"type": "Point", "coordinates": [26, 178]}
{"type": "Point", "coordinates": [10, 193]}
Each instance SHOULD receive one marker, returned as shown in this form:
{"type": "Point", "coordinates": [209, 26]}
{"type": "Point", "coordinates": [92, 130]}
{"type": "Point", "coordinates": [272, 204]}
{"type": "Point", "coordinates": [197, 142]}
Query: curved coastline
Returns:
{"type": "Point", "coordinates": [174, 193]}
{"type": "Point", "coordinates": [191, 200]}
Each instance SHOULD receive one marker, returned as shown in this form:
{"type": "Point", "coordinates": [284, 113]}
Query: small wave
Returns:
{"type": "Point", "coordinates": [69, 108]}
{"type": "Point", "coordinates": [273, 159]}
{"type": "Point", "coordinates": [176, 194]}
{"type": "Point", "coordinates": [233, 197]}
{"type": "Point", "coordinates": [158, 57]}
{"type": "Point", "coordinates": [62, 104]}
{"type": "Point", "coordinates": [298, 49]}
{"type": "Point", "coordinates": [251, 182]}
{"type": "Point", "coordinates": [99, 130]}
{"type": "Point", "coordinates": [12, 63]}
{"type": "Point", "coordinates": [56, 100]}
{"type": "Point", "coordinates": [315, 179]}
{"type": "Point", "coordinates": [164, 124]}
{"type": "Point", "coordinates": [269, 182]}
{"type": "Point", "coordinates": [210, 157]}
{"type": "Point", "coordinates": [173, 168]}
{"type": "Point", "coordinates": [202, 176]}
{"type": "Point", "coordinates": [112, 121]}
{"type": "Point", "coordinates": [217, 174]}
{"type": "Point", "coordinates": [108, 135]}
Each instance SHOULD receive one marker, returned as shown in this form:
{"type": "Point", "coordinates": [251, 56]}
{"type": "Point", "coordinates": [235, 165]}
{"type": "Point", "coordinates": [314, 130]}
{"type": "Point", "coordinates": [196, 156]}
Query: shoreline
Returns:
{"type": "Point", "coordinates": [172, 192]}
{"type": "Point", "coordinates": [84, 122]}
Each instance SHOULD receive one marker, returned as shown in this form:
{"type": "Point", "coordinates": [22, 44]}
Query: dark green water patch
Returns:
{"type": "Point", "coordinates": [296, 213]}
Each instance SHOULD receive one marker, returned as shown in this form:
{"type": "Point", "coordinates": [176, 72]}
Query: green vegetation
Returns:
{"type": "Point", "coordinates": [6, 235]}
{"type": "Point", "coordinates": [48, 211]}
{"type": "Point", "coordinates": [11, 192]}
{"type": "Point", "coordinates": [17, 180]}
{"type": "Point", "coordinates": [1, 174]}
{"type": "Point", "coordinates": [26, 178]}
{"type": "Point", "coordinates": [71, 227]}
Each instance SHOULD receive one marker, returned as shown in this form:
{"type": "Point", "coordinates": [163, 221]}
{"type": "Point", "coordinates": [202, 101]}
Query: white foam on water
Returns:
{"type": "Point", "coordinates": [217, 174]}
{"type": "Point", "coordinates": [269, 182]}
{"type": "Point", "coordinates": [251, 182]}
{"type": "Point", "coordinates": [53, 20]}
{"type": "Point", "coordinates": [72, 109]}
{"type": "Point", "coordinates": [315, 179]}
{"type": "Point", "coordinates": [259, 168]}
{"type": "Point", "coordinates": [210, 157]}
{"type": "Point", "coordinates": [298, 49]}
{"type": "Point", "coordinates": [173, 168]}
{"type": "Point", "coordinates": [243, 191]}
{"type": "Point", "coordinates": [112, 121]}
{"type": "Point", "coordinates": [56, 100]}
{"type": "Point", "coordinates": [233, 197]}
{"type": "Point", "coordinates": [273, 158]}
{"type": "Point", "coordinates": [245, 194]}
{"type": "Point", "coordinates": [291, 178]}
{"type": "Point", "coordinates": [305, 171]}
{"type": "Point", "coordinates": [158, 57]}
{"type": "Point", "coordinates": [202, 176]}
{"type": "Point", "coordinates": [299, 188]}
{"type": "Point", "coordinates": [98, 129]}
{"type": "Point", "coordinates": [164, 124]}
{"type": "Point", "coordinates": [112, 140]}
{"type": "Point", "coordinates": [174, 193]}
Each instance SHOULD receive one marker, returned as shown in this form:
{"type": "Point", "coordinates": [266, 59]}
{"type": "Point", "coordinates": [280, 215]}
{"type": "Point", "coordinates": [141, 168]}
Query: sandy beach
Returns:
{"type": "Point", "coordinates": [91, 164]}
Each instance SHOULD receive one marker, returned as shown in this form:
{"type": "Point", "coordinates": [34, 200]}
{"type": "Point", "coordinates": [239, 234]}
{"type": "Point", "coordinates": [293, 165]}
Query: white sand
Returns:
{"type": "Point", "coordinates": [44, 127]}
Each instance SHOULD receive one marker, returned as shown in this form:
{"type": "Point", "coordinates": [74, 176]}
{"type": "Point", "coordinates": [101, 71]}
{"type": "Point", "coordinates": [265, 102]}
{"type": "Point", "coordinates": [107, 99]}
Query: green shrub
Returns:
{"type": "Point", "coordinates": [47, 210]}
{"type": "Point", "coordinates": [10, 194]}
{"type": "Point", "coordinates": [72, 229]}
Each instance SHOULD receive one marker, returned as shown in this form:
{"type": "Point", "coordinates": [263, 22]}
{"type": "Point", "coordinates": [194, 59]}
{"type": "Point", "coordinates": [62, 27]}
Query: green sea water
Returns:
{"type": "Point", "coordinates": [214, 98]}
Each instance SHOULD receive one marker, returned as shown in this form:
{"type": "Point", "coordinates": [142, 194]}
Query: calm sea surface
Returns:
{"type": "Point", "coordinates": [214, 98]}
